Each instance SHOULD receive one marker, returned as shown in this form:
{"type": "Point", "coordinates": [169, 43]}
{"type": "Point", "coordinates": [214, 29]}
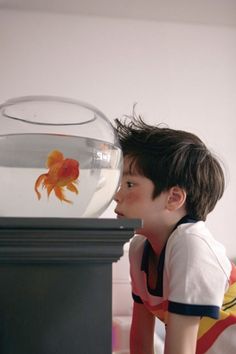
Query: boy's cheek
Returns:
{"type": "Point", "coordinates": [132, 199]}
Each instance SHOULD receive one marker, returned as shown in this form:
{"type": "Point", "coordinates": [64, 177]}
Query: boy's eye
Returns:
{"type": "Point", "coordinates": [129, 184]}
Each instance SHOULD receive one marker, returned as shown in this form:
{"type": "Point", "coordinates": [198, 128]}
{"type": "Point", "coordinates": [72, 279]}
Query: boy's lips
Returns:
{"type": "Point", "coordinates": [119, 214]}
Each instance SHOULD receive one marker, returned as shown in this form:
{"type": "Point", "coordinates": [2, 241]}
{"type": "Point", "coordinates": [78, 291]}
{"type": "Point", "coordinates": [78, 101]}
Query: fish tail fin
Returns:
{"type": "Point", "coordinates": [39, 180]}
{"type": "Point", "coordinates": [49, 187]}
{"type": "Point", "coordinates": [60, 195]}
{"type": "Point", "coordinates": [72, 188]}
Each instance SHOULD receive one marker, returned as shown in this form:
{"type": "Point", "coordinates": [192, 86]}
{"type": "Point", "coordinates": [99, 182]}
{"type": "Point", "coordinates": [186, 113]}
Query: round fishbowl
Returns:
{"type": "Point", "coordinates": [58, 158]}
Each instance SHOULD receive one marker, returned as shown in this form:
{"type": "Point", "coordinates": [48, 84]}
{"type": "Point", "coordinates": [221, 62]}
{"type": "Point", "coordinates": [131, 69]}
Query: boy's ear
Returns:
{"type": "Point", "coordinates": [176, 198]}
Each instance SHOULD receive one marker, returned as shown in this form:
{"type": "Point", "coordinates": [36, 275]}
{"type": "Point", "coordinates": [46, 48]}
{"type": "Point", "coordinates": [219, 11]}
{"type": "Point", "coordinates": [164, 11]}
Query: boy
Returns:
{"type": "Point", "coordinates": [179, 273]}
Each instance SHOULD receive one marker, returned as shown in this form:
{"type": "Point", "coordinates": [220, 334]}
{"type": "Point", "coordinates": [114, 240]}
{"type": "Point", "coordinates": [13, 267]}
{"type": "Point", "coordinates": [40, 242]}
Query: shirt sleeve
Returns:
{"type": "Point", "coordinates": [135, 259]}
{"type": "Point", "coordinates": [195, 276]}
{"type": "Point", "coordinates": [137, 298]}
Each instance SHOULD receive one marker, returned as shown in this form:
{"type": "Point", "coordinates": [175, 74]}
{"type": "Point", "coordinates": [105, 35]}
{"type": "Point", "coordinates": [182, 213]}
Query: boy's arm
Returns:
{"type": "Point", "coordinates": [181, 334]}
{"type": "Point", "coordinates": [142, 330]}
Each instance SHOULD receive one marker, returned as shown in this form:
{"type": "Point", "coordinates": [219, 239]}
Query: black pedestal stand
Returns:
{"type": "Point", "coordinates": [56, 283]}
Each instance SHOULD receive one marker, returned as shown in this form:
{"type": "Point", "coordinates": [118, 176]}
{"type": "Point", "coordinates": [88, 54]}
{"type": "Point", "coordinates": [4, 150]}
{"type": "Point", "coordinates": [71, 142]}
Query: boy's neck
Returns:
{"type": "Point", "coordinates": [159, 239]}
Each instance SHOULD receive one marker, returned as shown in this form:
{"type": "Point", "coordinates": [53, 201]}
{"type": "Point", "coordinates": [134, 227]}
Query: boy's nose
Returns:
{"type": "Point", "coordinates": [117, 196]}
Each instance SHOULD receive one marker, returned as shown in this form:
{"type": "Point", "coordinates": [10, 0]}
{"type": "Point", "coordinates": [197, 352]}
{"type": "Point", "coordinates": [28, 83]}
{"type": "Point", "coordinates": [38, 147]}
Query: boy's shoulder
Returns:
{"type": "Point", "coordinates": [137, 241]}
{"type": "Point", "coordinates": [136, 245]}
{"type": "Point", "coordinates": [189, 233]}
{"type": "Point", "coordinates": [194, 241]}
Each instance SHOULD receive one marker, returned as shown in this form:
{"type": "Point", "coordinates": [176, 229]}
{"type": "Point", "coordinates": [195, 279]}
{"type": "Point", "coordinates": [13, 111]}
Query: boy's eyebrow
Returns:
{"type": "Point", "coordinates": [129, 173]}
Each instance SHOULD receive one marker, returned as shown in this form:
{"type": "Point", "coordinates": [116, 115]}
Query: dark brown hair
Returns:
{"type": "Point", "coordinates": [170, 157]}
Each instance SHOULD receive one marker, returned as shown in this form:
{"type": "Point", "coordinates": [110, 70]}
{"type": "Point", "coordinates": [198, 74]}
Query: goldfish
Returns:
{"type": "Point", "coordinates": [62, 173]}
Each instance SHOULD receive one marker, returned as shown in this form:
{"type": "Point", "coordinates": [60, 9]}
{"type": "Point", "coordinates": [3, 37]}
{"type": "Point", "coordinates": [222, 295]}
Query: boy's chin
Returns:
{"type": "Point", "coordinates": [119, 216]}
{"type": "Point", "coordinates": [140, 231]}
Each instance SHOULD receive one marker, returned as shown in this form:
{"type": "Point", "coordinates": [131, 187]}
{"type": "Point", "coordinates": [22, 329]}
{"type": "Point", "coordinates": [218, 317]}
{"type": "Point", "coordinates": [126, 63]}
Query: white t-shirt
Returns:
{"type": "Point", "coordinates": [194, 277]}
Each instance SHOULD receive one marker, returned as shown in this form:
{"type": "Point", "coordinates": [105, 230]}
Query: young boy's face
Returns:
{"type": "Point", "coordinates": [134, 198]}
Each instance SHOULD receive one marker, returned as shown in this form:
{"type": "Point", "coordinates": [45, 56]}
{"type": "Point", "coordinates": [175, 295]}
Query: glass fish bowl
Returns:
{"type": "Point", "coordinates": [58, 158]}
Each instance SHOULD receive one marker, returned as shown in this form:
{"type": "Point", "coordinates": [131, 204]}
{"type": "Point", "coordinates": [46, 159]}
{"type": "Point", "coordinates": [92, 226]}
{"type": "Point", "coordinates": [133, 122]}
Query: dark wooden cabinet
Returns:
{"type": "Point", "coordinates": [56, 283]}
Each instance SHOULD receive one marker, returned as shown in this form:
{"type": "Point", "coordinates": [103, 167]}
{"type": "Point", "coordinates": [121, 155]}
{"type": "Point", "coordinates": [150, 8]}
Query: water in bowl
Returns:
{"type": "Point", "coordinates": [23, 159]}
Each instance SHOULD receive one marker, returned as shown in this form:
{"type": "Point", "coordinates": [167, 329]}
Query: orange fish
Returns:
{"type": "Point", "coordinates": [62, 173]}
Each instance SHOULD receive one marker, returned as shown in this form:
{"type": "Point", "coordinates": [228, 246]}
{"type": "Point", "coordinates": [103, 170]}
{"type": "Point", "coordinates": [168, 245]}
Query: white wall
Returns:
{"type": "Point", "coordinates": [180, 74]}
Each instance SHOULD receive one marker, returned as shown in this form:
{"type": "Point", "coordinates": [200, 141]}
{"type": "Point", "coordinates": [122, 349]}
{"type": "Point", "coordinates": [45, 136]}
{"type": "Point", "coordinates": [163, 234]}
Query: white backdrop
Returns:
{"type": "Point", "coordinates": [180, 74]}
